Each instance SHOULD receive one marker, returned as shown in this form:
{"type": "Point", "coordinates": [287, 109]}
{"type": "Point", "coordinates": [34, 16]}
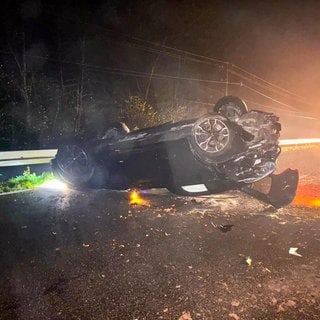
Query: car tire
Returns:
{"type": "Point", "coordinates": [212, 139]}
{"type": "Point", "coordinates": [74, 165]}
{"type": "Point", "coordinates": [231, 107]}
{"type": "Point", "coordinates": [116, 130]}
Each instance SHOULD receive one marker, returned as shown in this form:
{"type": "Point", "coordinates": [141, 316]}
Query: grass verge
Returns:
{"type": "Point", "coordinates": [25, 181]}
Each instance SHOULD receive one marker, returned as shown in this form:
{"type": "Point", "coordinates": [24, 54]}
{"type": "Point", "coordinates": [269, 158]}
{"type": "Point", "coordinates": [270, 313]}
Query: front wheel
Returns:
{"type": "Point", "coordinates": [74, 165]}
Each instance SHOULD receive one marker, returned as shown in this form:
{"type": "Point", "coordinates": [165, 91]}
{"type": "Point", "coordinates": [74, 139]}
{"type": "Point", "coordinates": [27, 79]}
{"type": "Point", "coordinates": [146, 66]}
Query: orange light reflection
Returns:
{"type": "Point", "coordinates": [308, 195]}
{"type": "Point", "coordinates": [135, 199]}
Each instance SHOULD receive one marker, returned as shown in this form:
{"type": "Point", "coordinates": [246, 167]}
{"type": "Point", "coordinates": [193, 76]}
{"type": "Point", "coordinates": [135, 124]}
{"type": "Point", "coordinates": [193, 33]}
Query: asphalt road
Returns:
{"type": "Point", "coordinates": [92, 255]}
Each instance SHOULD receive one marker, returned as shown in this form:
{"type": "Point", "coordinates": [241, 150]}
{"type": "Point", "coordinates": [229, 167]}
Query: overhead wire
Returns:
{"type": "Point", "coordinates": [168, 50]}
{"type": "Point", "coordinates": [267, 82]}
{"type": "Point", "coordinates": [186, 53]}
{"type": "Point", "coordinates": [268, 97]}
{"type": "Point", "coordinates": [272, 107]}
{"type": "Point", "coordinates": [266, 87]}
{"type": "Point", "coordinates": [128, 72]}
{"type": "Point", "coordinates": [135, 73]}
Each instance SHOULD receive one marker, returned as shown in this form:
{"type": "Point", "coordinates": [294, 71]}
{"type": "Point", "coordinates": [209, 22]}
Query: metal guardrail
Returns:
{"type": "Point", "coordinates": [17, 158]}
{"type": "Point", "coordinates": [295, 142]}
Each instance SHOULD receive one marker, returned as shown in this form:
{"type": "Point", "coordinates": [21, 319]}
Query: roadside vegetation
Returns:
{"type": "Point", "coordinates": [67, 81]}
{"type": "Point", "coordinates": [25, 181]}
{"type": "Point", "coordinates": [138, 113]}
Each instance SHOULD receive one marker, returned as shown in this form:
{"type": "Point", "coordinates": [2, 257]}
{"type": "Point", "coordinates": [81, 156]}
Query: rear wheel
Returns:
{"type": "Point", "coordinates": [231, 107]}
{"type": "Point", "coordinates": [212, 138]}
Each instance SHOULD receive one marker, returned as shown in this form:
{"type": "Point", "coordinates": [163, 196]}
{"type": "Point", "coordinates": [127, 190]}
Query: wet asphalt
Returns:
{"type": "Point", "coordinates": [92, 255]}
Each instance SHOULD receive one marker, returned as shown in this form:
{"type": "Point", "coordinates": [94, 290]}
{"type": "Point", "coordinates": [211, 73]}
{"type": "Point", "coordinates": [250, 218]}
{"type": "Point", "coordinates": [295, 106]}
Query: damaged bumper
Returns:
{"type": "Point", "coordinates": [282, 189]}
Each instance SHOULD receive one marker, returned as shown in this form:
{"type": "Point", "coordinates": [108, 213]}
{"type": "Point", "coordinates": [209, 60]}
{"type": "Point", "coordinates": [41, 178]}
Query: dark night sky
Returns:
{"type": "Point", "coordinates": [277, 40]}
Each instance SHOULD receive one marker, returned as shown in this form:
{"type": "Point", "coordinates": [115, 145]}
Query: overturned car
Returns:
{"type": "Point", "coordinates": [230, 148]}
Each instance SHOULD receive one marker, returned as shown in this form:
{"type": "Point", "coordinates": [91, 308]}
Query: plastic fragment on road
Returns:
{"type": "Point", "coordinates": [294, 252]}
{"type": "Point", "coordinates": [225, 227]}
{"type": "Point", "coordinates": [234, 316]}
{"type": "Point", "coordinates": [185, 316]}
{"type": "Point", "coordinates": [235, 303]}
{"type": "Point", "coordinates": [249, 261]}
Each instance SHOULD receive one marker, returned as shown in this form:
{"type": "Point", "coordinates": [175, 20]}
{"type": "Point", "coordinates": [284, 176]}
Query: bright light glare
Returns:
{"type": "Point", "coordinates": [135, 199]}
{"type": "Point", "coordinates": [308, 195]}
{"type": "Point", "coordinates": [55, 184]}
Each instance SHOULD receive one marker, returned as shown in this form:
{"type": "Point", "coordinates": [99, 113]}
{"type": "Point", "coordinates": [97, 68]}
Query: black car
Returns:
{"type": "Point", "coordinates": [230, 148]}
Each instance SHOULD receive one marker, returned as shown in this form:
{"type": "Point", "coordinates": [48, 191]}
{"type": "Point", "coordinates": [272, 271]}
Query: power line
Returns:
{"type": "Point", "coordinates": [100, 69]}
{"type": "Point", "coordinates": [126, 36]}
{"type": "Point", "coordinates": [180, 51]}
{"type": "Point", "coordinates": [167, 77]}
{"type": "Point", "coordinates": [268, 97]}
{"type": "Point", "coordinates": [267, 82]}
{"type": "Point", "coordinates": [135, 73]}
{"type": "Point", "coordinates": [160, 76]}
{"type": "Point", "coordinates": [265, 86]}
{"type": "Point", "coordinates": [188, 53]}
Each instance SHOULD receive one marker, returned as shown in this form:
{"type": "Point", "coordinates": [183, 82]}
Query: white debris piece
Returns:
{"type": "Point", "coordinates": [294, 252]}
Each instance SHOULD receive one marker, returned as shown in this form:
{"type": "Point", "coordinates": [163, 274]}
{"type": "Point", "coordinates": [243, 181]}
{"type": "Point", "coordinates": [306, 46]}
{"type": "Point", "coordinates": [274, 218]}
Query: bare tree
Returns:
{"type": "Point", "coordinates": [25, 86]}
{"type": "Point", "coordinates": [80, 89]}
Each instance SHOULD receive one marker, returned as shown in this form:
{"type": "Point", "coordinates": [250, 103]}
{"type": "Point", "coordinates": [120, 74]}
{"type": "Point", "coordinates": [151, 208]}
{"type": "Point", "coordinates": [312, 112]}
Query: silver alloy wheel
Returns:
{"type": "Point", "coordinates": [211, 134]}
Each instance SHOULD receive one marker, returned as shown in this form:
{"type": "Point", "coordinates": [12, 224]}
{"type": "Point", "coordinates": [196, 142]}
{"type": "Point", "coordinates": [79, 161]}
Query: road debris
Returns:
{"type": "Point", "coordinates": [249, 261]}
{"type": "Point", "coordinates": [294, 252]}
{"type": "Point", "coordinates": [234, 316]}
{"type": "Point", "coordinates": [225, 227]}
{"type": "Point", "coordinates": [185, 316]}
{"type": "Point", "coordinates": [284, 306]}
{"type": "Point", "coordinates": [201, 212]}
{"type": "Point", "coordinates": [235, 303]}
